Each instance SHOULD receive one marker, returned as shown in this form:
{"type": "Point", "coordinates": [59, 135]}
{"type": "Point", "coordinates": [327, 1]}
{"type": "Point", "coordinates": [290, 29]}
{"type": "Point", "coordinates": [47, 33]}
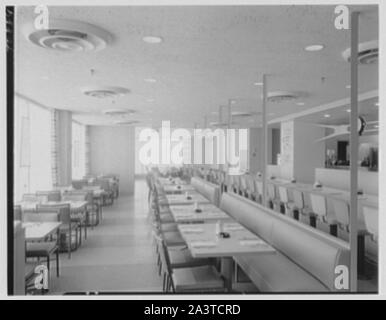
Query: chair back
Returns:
{"type": "Point", "coordinates": [29, 197]}
{"type": "Point", "coordinates": [250, 184]}
{"type": "Point", "coordinates": [319, 204]}
{"type": "Point", "coordinates": [53, 195]}
{"type": "Point", "coordinates": [283, 194]}
{"type": "Point", "coordinates": [371, 220]}
{"type": "Point", "coordinates": [63, 209]}
{"type": "Point", "coordinates": [271, 191]}
{"type": "Point", "coordinates": [298, 198]}
{"type": "Point", "coordinates": [165, 260]}
{"type": "Point", "coordinates": [79, 184]}
{"type": "Point", "coordinates": [342, 212]}
{"type": "Point", "coordinates": [258, 186]}
{"type": "Point", "coordinates": [243, 182]}
{"type": "Point", "coordinates": [76, 195]}
{"type": "Point", "coordinates": [41, 217]}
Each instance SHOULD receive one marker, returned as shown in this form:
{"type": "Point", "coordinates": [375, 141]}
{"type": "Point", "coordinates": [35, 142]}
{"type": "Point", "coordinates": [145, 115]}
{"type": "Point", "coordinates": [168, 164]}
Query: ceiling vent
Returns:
{"type": "Point", "coordinates": [68, 36]}
{"type": "Point", "coordinates": [281, 96]}
{"type": "Point", "coordinates": [118, 112]}
{"type": "Point", "coordinates": [126, 122]}
{"type": "Point", "coordinates": [104, 92]}
{"type": "Point", "coordinates": [367, 53]}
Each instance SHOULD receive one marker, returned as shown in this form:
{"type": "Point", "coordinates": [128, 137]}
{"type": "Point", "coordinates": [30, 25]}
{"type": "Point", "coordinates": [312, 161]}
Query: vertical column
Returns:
{"type": "Point", "coordinates": [265, 144]}
{"type": "Point", "coordinates": [354, 152]}
{"type": "Point", "coordinates": [64, 147]}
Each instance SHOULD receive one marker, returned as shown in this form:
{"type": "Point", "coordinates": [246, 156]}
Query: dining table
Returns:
{"type": "Point", "coordinates": [209, 240]}
{"type": "Point", "coordinates": [36, 231]}
{"type": "Point", "coordinates": [202, 213]}
{"type": "Point", "coordinates": [186, 198]}
{"type": "Point", "coordinates": [176, 189]}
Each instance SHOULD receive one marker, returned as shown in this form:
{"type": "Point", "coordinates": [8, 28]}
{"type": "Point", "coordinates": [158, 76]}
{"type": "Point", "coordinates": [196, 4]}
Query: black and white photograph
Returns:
{"type": "Point", "coordinates": [205, 150]}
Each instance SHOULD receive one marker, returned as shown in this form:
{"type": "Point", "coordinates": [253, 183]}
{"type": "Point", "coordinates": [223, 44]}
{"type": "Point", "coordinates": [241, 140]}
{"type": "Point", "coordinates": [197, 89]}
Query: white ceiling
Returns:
{"type": "Point", "coordinates": [210, 54]}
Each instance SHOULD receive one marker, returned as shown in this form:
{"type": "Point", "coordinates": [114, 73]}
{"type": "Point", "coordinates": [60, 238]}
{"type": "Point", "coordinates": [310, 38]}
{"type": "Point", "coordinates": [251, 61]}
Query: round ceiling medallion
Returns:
{"type": "Point", "coordinates": [68, 36]}
{"type": "Point", "coordinates": [102, 92]}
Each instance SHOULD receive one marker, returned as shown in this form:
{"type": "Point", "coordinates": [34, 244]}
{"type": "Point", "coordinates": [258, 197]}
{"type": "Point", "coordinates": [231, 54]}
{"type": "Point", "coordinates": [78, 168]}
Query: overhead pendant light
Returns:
{"type": "Point", "coordinates": [314, 47]}
{"type": "Point", "coordinates": [152, 39]}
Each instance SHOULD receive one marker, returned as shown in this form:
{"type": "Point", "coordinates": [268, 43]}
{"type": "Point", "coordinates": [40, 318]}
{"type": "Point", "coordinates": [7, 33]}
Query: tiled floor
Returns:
{"type": "Point", "coordinates": [117, 255]}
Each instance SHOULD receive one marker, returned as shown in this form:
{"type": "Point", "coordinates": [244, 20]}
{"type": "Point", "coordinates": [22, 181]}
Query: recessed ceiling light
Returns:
{"type": "Point", "coordinates": [348, 110]}
{"type": "Point", "coordinates": [376, 126]}
{"type": "Point", "coordinates": [300, 103]}
{"type": "Point", "coordinates": [152, 39]}
{"type": "Point", "coordinates": [348, 87]}
{"type": "Point", "coordinates": [327, 115]}
{"type": "Point", "coordinates": [257, 83]}
{"type": "Point", "coordinates": [376, 104]}
{"type": "Point", "coordinates": [233, 101]}
{"type": "Point", "coordinates": [150, 80]}
{"type": "Point", "coordinates": [314, 47]}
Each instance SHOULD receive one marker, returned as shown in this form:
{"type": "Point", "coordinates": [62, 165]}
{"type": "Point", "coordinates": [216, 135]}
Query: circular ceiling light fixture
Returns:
{"type": "Point", "coordinates": [314, 47]}
{"type": "Point", "coordinates": [376, 104]}
{"type": "Point", "coordinates": [152, 39]}
{"type": "Point", "coordinates": [68, 36]}
{"type": "Point", "coordinates": [327, 116]}
{"type": "Point", "coordinates": [126, 122]}
{"type": "Point", "coordinates": [257, 83]}
{"type": "Point", "coordinates": [367, 52]}
{"type": "Point", "coordinates": [241, 114]}
{"type": "Point", "coordinates": [118, 112]}
{"type": "Point", "coordinates": [281, 96]}
{"type": "Point", "coordinates": [348, 86]}
{"type": "Point", "coordinates": [103, 92]}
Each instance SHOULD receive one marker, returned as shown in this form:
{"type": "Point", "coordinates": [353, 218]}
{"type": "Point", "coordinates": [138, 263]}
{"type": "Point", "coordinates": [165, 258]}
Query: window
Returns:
{"type": "Point", "coordinates": [32, 148]}
{"type": "Point", "coordinates": [78, 150]}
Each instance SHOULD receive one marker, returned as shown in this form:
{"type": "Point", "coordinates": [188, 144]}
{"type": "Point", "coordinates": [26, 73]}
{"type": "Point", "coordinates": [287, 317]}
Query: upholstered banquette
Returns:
{"type": "Point", "coordinates": [207, 189]}
{"type": "Point", "coordinates": [305, 260]}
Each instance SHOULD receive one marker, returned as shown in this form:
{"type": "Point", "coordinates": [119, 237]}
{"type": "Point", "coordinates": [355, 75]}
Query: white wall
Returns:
{"type": "Point", "coordinates": [255, 150]}
{"type": "Point", "coordinates": [112, 150]}
{"type": "Point", "coordinates": [308, 153]}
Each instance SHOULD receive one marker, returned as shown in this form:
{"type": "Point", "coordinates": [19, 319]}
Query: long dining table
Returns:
{"type": "Point", "coordinates": [206, 212]}
{"type": "Point", "coordinates": [204, 242]}
{"type": "Point", "coordinates": [186, 199]}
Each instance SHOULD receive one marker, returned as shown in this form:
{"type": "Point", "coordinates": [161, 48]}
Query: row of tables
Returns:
{"type": "Point", "coordinates": [200, 223]}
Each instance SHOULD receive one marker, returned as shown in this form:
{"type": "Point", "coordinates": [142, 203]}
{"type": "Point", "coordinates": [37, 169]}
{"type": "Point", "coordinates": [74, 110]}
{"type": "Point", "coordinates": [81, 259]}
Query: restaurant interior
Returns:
{"type": "Point", "coordinates": [99, 205]}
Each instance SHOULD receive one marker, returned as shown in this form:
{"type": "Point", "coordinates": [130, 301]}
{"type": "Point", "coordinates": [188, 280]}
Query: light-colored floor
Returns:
{"type": "Point", "coordinates": [117, 255]}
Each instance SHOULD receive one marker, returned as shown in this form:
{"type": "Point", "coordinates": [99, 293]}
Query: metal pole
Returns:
{"type": "Point", "coordinates": [354, 153]}
{"type": "Point", "coordinates": [265, 141]}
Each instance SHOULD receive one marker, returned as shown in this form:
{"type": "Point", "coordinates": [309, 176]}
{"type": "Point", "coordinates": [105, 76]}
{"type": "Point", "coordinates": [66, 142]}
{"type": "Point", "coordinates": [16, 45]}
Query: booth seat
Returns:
{"type": "Point", "coordinates": [209, 190]}
{"type": "Point", "coordinates": [305, 260]}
